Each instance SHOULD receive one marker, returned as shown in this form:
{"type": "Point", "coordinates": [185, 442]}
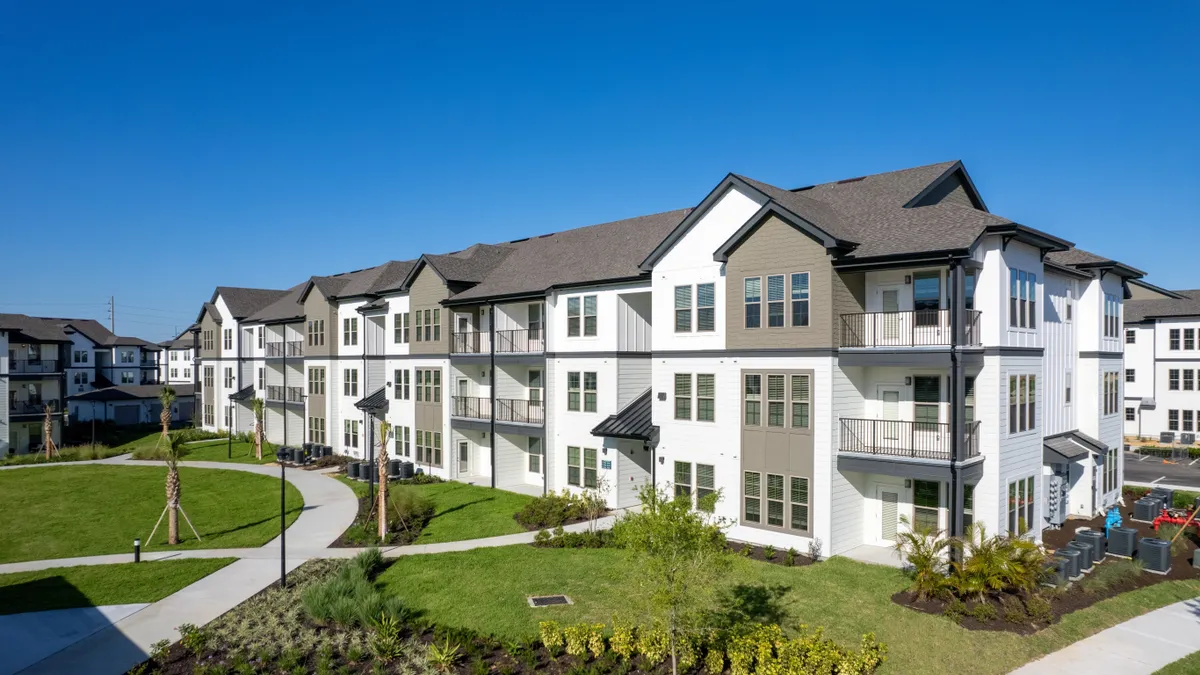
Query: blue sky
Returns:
{"type": "Point", "coordinates": [152, 151]}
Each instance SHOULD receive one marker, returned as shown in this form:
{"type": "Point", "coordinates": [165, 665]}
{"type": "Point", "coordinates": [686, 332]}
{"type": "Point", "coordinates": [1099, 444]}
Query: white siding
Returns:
{"type": "Point", "coordinates": [633, 322]}
{"type": "Point", "coordinates": [633, 378]}
{"type": "Point", "coordinates": [1060, 355]}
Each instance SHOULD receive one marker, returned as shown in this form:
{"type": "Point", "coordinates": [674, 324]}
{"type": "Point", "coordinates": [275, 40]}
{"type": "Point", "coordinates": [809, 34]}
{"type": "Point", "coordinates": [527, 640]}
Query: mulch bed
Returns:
{"type": "Point", "coordinates": [760, 553]}
{"type": "Point", "coordinates": [365, 505]}
{"type": "Point", "coordinates": [1076, 595]}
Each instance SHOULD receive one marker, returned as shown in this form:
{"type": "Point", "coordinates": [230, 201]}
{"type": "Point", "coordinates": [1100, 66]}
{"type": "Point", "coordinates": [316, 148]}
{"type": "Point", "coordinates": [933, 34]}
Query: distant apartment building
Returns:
{"type": "Point", "coordinates": [835, 360]}
{"type": "Point", "coordinates": [1162, 363]}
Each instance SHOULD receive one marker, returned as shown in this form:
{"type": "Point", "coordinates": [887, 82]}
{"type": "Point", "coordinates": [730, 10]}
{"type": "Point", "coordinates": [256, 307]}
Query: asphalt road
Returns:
{"type": "Point", "coordinates": [1148, 469]}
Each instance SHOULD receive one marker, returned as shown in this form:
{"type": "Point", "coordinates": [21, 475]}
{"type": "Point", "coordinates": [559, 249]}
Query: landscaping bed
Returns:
{"type": "Point", "coordinates": [1028, 613]}
{"type": "Point", "coordinates": [768, 554]}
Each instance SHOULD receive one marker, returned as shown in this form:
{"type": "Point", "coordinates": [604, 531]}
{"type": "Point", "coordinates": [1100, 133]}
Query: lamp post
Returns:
{"type": "Point", "coordinates": [279, 455]}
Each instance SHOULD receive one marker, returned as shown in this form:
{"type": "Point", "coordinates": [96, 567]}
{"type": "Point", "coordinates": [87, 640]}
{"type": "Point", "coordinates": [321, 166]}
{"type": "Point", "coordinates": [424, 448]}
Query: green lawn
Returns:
{"type": "Point", "coordinates": [220, 451]}
{"type": "Point", "coordinates": [97, 585]}
{"type": "Point", "coordinates": [1188, 665]}
{"type": "Point", "coordinates": [67, 511]}
{"type": "Point", "coordinates": [462, 511]}
{"type": "Point", "coordinates": [489, 588]}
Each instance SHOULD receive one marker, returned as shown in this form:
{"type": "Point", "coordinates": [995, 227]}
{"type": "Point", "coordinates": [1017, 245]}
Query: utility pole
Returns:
{"type": "Point", "coordinates": [112, 315]}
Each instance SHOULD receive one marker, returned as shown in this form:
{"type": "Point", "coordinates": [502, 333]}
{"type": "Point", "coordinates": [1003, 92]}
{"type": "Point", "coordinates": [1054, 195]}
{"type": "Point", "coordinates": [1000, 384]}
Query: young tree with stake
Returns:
{"type": "Point", "coordinates": [385, 430]}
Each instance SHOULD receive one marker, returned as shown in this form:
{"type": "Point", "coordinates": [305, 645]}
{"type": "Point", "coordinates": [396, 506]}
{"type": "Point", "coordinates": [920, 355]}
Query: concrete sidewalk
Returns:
{"type": "Point", "coordinates": [1139, 646]}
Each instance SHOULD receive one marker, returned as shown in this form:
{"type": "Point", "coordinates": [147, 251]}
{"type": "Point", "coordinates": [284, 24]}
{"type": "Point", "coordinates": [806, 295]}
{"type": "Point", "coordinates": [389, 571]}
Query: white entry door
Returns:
{"type": "Point", "coordinates": [888, 426]}
{"type": "Point", "coordinates": [888, 523]}
{"type": "Point", "coordinates": [464, 458]}
{"type": "Point", "coordinates": [889, 326]}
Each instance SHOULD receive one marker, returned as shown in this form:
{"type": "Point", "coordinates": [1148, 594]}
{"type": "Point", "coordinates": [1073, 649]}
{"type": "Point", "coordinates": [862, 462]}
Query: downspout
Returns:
{"type": "Point", "coordinates": [957, 401]}
{"type": "Point", "coordinates": [492, 392]}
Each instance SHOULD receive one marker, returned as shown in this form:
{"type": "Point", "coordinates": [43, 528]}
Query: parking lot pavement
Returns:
{"type": "Point", "coordinates": [1150, 469]}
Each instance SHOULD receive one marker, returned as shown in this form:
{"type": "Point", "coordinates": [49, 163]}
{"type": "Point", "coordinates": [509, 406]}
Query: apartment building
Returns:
{"type": "Point", "coordinates": [834, 360]}
{"type": "Point", "coordinates": [1162, 362]}
{"type": "Point", "coordinates": [48, 361]}
{"type": "Point", "coordinates": [177, 358]}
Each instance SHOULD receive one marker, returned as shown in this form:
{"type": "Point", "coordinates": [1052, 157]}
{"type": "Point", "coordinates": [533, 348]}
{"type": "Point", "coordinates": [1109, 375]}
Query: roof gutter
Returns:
{"type": "Point", "coordinates": [920, 259]}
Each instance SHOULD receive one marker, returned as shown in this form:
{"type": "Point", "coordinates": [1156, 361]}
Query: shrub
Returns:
{"type": "Point", "coordinates": [562, 539]}
{"type": "Point", "coordinates": [551, 634]}
{"type": "Point", "coordinates": [924, 549]}
{"type": "Point", "coordinates": [409, 510]}
{"type": "Point", "coordinates": [554, 509]}
{"type": "Point", "coordinates": [576, 637]}
{"type": "Point", "coordinates": [1167, 531]}
{"type": "Point", "coordinates": [714, 661]}
{"type": "Point", "coordinates": [955, 610]}
{"type": "Point", "coordinates": [422, 479]}
{"type": "Point", "coordinates": [764, 649]}
{"type": "Point", "coordinates": [790, 558]}
{"type": "Point", "coordinates": [192, 638]}
{"type": "Point", "coordinates": [654, 644]}
{"type": "Point", "coordinates": [984, 612]}
{"type": "Point", "coordinates": [349, 598]}
{"type": "Point", "coordinates": [769, 552]}
{"type": "Point", "coordinates": [1112, 573]}
{"type": "Point", "coordinates": [1039, 608]}
{"type": "Point", "coordinates": [622, 641]}
{"type": "Point", "coordinates": [385, 643]}
{"type": "Point", "coordinates": [996, 564]}
{"type": "Point", "coordinates": [595, 640]}
{"type": "Point", "coordinates": [1013, 610]}
{"type": "Point", "coordinates": [443, 657]}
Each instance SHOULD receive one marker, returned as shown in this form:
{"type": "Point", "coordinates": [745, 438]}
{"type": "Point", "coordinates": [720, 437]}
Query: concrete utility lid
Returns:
{"type": "Point", "coordinates": [548, 600]}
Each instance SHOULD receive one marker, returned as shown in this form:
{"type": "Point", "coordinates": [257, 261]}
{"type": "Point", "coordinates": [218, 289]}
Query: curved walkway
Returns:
{"type": "Point", "coordinates": [329, 508]}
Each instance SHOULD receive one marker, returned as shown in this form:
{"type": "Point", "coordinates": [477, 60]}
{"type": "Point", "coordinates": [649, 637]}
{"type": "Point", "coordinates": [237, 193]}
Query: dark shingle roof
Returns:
{"type": "Point", "coordinates": [242, 302]}
{"type": "Point", "coordinates": [586, 254]}
{"type": "Point", "coordinates": [470, 265]}
{"type": "Point", "coordinates": [1140, 310]}
{"type": "Point", "coordinates": [129, 392]}
{"type": "Point", "coordinates": [285, 308]}
{"type": "Point", "coordinates": [59, 329]}
{"type": "Point", "coordinates": [33, 329]}
{"type": "Point", "coordinates": [632, 422]}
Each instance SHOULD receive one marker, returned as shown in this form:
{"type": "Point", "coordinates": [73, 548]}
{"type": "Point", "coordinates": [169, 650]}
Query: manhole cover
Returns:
{"type": "Point", "coordinates": [548, 600]}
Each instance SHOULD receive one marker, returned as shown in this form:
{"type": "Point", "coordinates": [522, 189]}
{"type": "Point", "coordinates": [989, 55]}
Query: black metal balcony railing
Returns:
{"type": "Point", "coordinates": [285, 394]}
{"type": "Point", "coordinates": [33, 366]}
{"type": "Point", "coordinates": [521, 341]}
{"type": "Point", "coordinates": [507, 409]}
{"type": "Point", "coordinates": [921, 440]}
{"type": "Point", "coordinates": [30, 407]}
{"type": "Point", "coordinates": [919, 328]}
{"type": "Point", "coordinates": [280, 349]}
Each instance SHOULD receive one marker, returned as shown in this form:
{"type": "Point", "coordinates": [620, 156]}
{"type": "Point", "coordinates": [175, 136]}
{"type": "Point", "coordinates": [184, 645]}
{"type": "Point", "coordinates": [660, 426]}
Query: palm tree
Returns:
{"type": "Point", "coordinates": [171, 453]}
{"type": "Point", "coordinates": [167, 398]}
{"type": "Point", "coordinates": [48, 432]}
{"type": "Point", "coordinates": [258, 426]}
{"type": "Point", "coordinates": [385, 430]}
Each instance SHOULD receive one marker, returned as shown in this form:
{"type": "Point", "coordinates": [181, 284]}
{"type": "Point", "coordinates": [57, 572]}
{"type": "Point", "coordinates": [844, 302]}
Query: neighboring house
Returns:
{"type": "Point", "coordinates": [177, 359]}
{"type": "Point", "coordinates": [833, 360]}
{"type": "Point", "coordinates": [130, 404]}
{"type": "Point", "coordinates": [1162, 363]}
{"type": "Point", "coordinates": [46, 360]}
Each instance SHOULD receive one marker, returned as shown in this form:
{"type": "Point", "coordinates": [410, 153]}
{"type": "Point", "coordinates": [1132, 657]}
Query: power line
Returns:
{"type": "Point", "coordinates": [157, 316]}
{"type": "Point", "coordinates": [154, 309]}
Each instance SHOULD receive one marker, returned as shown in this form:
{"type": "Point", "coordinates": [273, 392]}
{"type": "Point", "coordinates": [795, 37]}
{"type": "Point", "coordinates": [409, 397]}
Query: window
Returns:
{"type": "Point", "coordinates": [775, 311]}
{"type": "Point", "coordinates": [706, 389]}
{"type": "Point", "coordinates": [1112, 393]}
{"type": "Point", "coordinates": [417, 334]}
{"type": "Point", "coordinates": [535, 389]}
{"type": "Point", "coordinates": [775, 398]}
{"type": "Point", "coordinates": [969, 400]}
{"type": "Point", "coordinates": [926, 495]}
{"type": "Point", "coordinates": [404, 442]}
{"type": "Point", "coordinates": [208, 377]}
{"type": "Point", "coordinates": [316, 381]}
{"type": "Point", "coordinates": [752, 497]}
{"type": "Point", "coordinates": [82, 377]}
{"type": "Point", "coordinates": [800, 303]}
{"type": "Point", "coordinates": [400, 386]}
{"type": "Point", "coordinates": [581, 316]}
{"type": "Point", "coordinates": [429, 385]}
{"type": "Point", "coordinates": [1130, 375]}
{"type": "Point", "coordinates": [589, 392]}
{"type": "Point", "coordinates": [1020, 506]}
{"type": "Point", "coordinates": [752, 394]}
{"type": "Point", "coordinates": [535, 455]}
{"type": "Point", "coordinates": [753, 299]}
{"type": "Point", "coordinates": [1033, 401]}
{"type": "Point", "coordinates": [775, 500]}
{"type": "Point", "coordinates": [683, 309]}
{"type": "Point", "coordinates": [406, 381]}
{"type": "Point", "coordinates": [1022, 299]}
{"type": "Point", "coordinates": [226, 342]}
{"type": "Point", "coordinates": [260, 337]}
{"type": "Point", "coordinates": [126, 377]}
{"type": "Point", "coordinates": [350, 382]}
{"type": "Point", "coordinates": [229, 378]}
{"type": "Point", "coordinates": [927, 397]}
{"type": "Point", "coordinates": [1070, 302]}
{"type": "Point", "coordinates": [208, 415]}
{"type": "Point", "coordinates": [706, 308]}
{"type": "Point", "coordinates": [573, 466]}
{"type": "Point", "coordinates": [1189, 381]}
{"type": "Point", "coordinates": [316, 333]}
{"type": "Point", "coordinates": [1110, 469]}
{"type": "Point", "coordinates": [316, 430]}
{"type": "Point", "coordinates": [1173, 336]}
{"type": "Point", "coordinates": [81, 356]}
{"type": "Point", "coordinates": [1130, 415]}
{"type": "Point", "coordinates": [262, 378]}
{"type": "Point", "coordinates": [174, 374]}
{"type": "Point", "coordinates": [437, 325]}
{"type": "Point", "coordinates": [1112, 316]}
{"type": "Point", "coordinates": [968, 505]}
{"type": "Point", "coordinates": [706, 486]}
{"type": "Point", "coordinates": [350, 433]}
{"type": "Point", "coordinates": [398, 328]}
{"type": "Point", "coordinates": [350, 331]}
{"type": "Point", "coordinates": [1130, 336]}
{"type": "Point", "coordinates": [1189, 338]}
{"type": "Point", "coordinates": [1187, 421]}
{"type": "Point", "coordinates": [683, 479]}
{"type": "Point", "coordinates": [1067, 394]}
{"type": "Point", "coordinates": [1022, 403]}
{"type": "Point", "coordinates": [589, 468]}
{"type": "Point", "coordinates": [683, 398]}
{"type": "Point", "coordinates": [586, 468]}
{"type": "Point", "coordinates": [208, 340]}
{"type": "Point", "coordinates": [798, 499]}
{"type": "Point", "coordinates": [801, 402]}
{"type": "Point", "coordinates": [1172, 420]}
{"type": "Point", "coordinates": [126, 356]}
{"type": "Point", "coordinates": [1173, 379]}
{"type": "Point", "coordinates": [187, 373]}
{"type": "Point", "coordinates": [927, 298]}
{"type": "Point", "coordinates": [573, 391]}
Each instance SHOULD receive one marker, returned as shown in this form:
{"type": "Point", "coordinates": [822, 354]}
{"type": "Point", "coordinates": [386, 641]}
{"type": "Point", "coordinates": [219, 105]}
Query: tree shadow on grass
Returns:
{"type": "Point", "coordinates": [460, 507]}
{"type": "Point", "coordinates": [185, 532]}
{"type": "Point", "coordinates": [750, 604]}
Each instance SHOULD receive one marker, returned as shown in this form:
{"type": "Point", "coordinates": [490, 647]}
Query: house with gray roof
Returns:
{"type": "Point", "coordinates": [1162, 366]}
{"type": "Point", "coordinates": [834, 360]}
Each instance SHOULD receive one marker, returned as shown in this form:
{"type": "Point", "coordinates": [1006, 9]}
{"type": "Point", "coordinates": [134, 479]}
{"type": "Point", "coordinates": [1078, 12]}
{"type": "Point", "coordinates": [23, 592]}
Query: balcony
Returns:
{"type": "Point", "coordinates": [33, 366]}
{"type": "Point", "coordinates": [521, 341]}
{"type": "Point", "coordinates": [30, 407]}
{"type": "Point", "coordinates": [907, 449]}
{"type": "Point", "coordinates": [508, 410]}
{"type": "Point", "coordinates": [278, 394]}
{"type": "Point", "coordinates": [281, 349]}
{"type": "Point", "coordinates": [919, 338]}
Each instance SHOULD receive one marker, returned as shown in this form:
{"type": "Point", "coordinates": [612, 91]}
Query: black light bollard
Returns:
{"type": "Point", "coordinates": [137, 550]}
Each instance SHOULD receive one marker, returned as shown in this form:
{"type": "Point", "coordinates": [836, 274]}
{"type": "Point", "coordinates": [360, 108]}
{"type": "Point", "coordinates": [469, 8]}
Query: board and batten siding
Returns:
{"type": "Point", "coordinates": [1060, 355]}
{"type": "Point", "coordinates": [317, 307]}
{"type": "Point", "coordinates": [778, 248]}
{"type": "Point", "coordinates": [427, 292]}
{"type": "Point", "coordinates": [633, 378]}
{"type": "Point", "coordinates": [633, 322]}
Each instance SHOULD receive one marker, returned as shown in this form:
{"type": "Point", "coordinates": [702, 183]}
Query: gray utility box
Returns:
{"type": "Point", "coordinates": [1054, 572]}
{"type": "Point", "coordinates": [1155, 555]}
{"type": "Point", "coordinates": [406, 470]}
{"type": "Point", "coordinates": [393, 468]}
{"type": "Point", "coordinates": [1085, 555]}
{"type": "Point", "coordinates": [352, 470]}
{"type": "Point", "coordinates": [366, 471]}
{"type": "Point", "coordinates": [1095, 539]}
{"type": "Point", "coordinates": [1167, 495]}
{"type": "Point", "coordinates": [1147, 509]}
{"type": "Point", "coordinates": [1122, 541]}
{"type": "Point", "coordinates": [1071, 558]}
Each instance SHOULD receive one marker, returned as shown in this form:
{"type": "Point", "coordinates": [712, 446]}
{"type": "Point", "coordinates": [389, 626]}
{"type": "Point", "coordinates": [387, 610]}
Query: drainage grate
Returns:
{"type": "Point", "coordinates": [548, 600]}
